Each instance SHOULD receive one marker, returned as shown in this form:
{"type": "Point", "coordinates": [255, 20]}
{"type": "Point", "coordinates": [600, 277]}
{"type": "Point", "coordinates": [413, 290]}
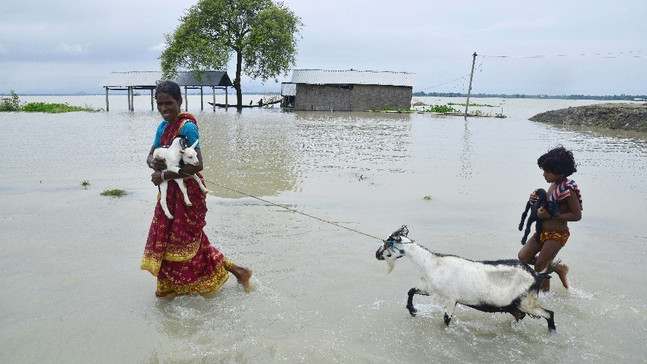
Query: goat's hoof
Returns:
{"type": "Point", "coordinates": [412, 311]}
{"type": "Point", "coordinates": [189, 204]}
{"type": "Point", "coordinates": [170, 217]}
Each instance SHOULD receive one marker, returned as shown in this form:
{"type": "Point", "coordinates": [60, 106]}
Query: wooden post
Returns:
{"type": "Point", "coordinates": [107, 101]}
{"type": "Point", "coordinates": [130, 99]}
{"type": "Point", "coordinates": [213, 90]}
{"type": "Point", "coordinates": [469, 88]}
{"type": "Point", "coordinates": [152, 101]}
{"type": "Point", "coordinates": [201, 100]}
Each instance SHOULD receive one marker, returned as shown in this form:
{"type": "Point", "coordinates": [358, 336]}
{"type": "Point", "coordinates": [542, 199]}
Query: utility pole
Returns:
{"type": "Point", "coordinates": [469, 89]}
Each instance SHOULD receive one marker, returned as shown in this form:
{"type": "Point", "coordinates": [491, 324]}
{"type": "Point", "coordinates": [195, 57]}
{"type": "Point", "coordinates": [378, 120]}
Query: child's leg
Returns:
{"type": "Point", "coordinates": [529, 250]}
{"type": "Point", "coordinates": [549, 251]}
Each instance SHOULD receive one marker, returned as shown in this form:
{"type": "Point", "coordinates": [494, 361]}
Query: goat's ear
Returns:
{"type": "Point", "coordinates": [181, 151]}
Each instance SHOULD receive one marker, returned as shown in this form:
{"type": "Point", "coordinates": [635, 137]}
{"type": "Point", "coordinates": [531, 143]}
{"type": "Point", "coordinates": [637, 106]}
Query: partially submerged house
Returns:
{"type": "Point", "coordinates": [350, 90]}
{"type": "Point", "coordinates": [148, 80]}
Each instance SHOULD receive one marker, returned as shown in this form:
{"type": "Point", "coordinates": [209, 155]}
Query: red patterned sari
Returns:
{"type": "Point", "coordinates": [177, 251]}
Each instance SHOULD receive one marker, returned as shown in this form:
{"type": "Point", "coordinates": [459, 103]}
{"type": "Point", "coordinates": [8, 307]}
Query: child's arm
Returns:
{"type": "Point", "coordinates": [574, 212]}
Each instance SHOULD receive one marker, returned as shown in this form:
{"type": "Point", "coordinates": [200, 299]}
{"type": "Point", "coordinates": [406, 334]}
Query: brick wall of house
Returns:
{"type": "Point", "coordinates": [351, 97]}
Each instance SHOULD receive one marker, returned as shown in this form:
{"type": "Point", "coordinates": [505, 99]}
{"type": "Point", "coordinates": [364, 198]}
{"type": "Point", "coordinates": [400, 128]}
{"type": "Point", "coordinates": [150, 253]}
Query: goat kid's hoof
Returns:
{"type": "Point", "coordinates": [412, 311]}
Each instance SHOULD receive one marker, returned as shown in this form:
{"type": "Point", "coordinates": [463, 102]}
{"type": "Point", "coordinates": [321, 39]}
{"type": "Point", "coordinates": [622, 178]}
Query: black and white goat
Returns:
{"type": "Point", "coordinates": [542, 201]}
{"type": "Point", "coordinates": [490, 286]}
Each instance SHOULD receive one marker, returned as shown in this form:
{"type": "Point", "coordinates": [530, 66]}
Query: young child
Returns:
{"type": "Point", "coordinates": [558, 164]}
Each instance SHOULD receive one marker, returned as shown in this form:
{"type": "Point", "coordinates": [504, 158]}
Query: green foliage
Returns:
{"type": "Point", "coordinates": [13, 104]}
{"type": "Point", "coordinates": [442, 109]}
{"type": "Point", "coordinates": [259, 34]}
{"type": "Point", "coordinates": [10, 104]}
{"type": "Point", "coordinates": [113, 193]}
{"type": "Point", "coordinates": [53, 108]}
{"type": "Point", "coordinates": [85, 184]}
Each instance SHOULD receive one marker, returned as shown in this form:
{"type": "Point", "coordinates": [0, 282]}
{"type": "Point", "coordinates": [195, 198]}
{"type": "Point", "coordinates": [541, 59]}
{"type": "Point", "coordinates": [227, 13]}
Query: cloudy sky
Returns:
{"type": "Point", "coordinates": [553, 47]}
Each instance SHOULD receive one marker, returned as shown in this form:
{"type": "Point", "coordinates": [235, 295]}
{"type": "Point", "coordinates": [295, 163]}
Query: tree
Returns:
{"type": "Point", "coordinates": [261, 34]}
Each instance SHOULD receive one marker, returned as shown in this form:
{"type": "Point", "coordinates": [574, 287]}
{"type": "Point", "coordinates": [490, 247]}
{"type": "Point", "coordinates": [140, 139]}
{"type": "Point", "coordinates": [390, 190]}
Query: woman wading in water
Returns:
{"type": "Point", "coordinates": [177, 250]}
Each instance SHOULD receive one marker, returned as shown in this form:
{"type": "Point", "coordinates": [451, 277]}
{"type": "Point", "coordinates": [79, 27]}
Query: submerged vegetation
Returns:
{"type": "Point", "coordinates": [13, 104]}
{"type": "Point", "coordinates": [114, 193]}
{"type": "Point", "coordinates": [444, 109]}
{"type": "Point", "coordinates": [10, 104]}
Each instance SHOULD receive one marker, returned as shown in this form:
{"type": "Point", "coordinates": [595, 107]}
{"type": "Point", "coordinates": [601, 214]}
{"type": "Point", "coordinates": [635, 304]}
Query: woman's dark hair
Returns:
{"type": "Point", "coordinates": [558, 161]}
{"type": "Point", "coordinates": [171, 88]}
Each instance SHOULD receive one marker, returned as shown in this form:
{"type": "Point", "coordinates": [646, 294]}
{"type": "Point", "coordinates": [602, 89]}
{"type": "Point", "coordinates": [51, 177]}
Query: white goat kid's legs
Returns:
{"type": "Point", "coordinates": [163, 193]}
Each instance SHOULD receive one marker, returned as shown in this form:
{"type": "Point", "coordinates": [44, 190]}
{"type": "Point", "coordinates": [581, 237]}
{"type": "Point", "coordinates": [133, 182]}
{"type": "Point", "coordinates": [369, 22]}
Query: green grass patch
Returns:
{"type": "Point", "coordinates": [53, 108]}
{"type": "Point", "coordinates": [114, 193]}
{"type": "Point", "coordinates": [441, 109]}
{"type": "Point", "coordinates": [13, 104]}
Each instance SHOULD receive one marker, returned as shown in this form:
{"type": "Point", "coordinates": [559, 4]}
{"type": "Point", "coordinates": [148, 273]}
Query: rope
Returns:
{"type": "Point", "coordinates": [295, 211]}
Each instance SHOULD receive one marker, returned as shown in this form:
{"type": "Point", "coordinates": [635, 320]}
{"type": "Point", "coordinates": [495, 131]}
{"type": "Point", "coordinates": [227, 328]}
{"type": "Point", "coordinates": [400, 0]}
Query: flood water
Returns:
{"type": "Point", "coordinates": [303, 199]}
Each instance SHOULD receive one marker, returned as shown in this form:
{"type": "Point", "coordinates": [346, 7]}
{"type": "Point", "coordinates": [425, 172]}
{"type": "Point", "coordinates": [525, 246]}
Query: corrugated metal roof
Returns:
{"type": "Point", "coordinates": [152, 78]}
{"type": "Point", "coordinates": [355, 77]}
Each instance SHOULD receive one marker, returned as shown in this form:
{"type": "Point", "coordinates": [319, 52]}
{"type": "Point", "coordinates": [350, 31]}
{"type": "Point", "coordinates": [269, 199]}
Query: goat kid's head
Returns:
{"type": "Point", "coordinates": [393, 247]}
{"type": "Point", "coordinates": [189, 155]}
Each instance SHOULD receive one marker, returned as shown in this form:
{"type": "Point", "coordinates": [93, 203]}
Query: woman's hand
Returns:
{"type": "Point", "coordinates": [157, 178]}
{"type": "Point", "coordinates": [158, 164]}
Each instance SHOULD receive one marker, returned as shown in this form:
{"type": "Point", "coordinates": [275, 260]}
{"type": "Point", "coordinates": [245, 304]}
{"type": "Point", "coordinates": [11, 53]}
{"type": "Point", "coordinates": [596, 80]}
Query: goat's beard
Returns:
{"type": "Point", "coordinates": [390, 264]}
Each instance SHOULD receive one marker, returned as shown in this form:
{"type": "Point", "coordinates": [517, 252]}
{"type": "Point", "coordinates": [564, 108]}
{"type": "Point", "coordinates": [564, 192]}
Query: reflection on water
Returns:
{"type": "Point", "coordinates": [466, 158]}
{"type": "Point", "coordinates": [252, 154]}
{"type": "Point", "coordinates": [266, 153]}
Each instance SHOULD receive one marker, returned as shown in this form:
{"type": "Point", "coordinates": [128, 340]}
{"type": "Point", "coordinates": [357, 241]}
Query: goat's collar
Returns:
{"type": "Point", "coordinates": [391, 243]}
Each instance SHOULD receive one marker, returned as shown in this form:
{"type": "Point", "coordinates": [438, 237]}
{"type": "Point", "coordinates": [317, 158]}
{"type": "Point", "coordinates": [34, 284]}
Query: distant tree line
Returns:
{"type": "Point", "coordinates": [523, 96]}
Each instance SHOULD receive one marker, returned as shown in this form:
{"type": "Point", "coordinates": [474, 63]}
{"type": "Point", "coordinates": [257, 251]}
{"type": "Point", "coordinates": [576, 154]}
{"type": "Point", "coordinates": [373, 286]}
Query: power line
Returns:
{"type": "Point", "coordinates": [602, 55]}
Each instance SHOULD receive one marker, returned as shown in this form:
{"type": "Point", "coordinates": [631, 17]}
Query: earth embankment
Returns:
{"type": "Point", "coordinates": [623, 116]}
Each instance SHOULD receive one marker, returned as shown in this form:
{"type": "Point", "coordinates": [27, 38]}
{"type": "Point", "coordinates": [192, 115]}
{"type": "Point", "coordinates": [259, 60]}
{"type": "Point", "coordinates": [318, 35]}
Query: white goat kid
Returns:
{"type": "Point", "coordinates": [172, 155]}
{"type": "Point", "coordinates": [490, 286]}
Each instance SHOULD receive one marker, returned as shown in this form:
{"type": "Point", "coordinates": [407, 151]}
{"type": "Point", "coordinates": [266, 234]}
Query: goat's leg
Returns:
{"type": "Point", "coordinates": [551, 321]}
{"type": "Point", "coordinates": [539, 227]}
{"type": "Point", "coordinates": [203, 188]}
{"type": "Point", "coordinates": [523, 216]}
{"type": "Point", "coordinates": [163, 192]}
{"type": "Point", "coordinates": [547, 314]}
{"type": "Point", "coordinates": [531, 307]}
{"type": "Point", "coordinates": [517, 313]}
{"type": "Point", "coordinates": [526, 233]}
{"type": "Point", "coordinates": [413, 291]}
{"type": "Point", "coordinates": [449, 312]}
{"type": "Point", "coordinates": [185, 193]}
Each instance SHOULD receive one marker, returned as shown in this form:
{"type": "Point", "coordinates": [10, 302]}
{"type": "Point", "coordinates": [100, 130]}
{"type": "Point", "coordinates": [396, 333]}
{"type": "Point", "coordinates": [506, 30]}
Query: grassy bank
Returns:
{"type": "Point", "coordinates": [13, 104]}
